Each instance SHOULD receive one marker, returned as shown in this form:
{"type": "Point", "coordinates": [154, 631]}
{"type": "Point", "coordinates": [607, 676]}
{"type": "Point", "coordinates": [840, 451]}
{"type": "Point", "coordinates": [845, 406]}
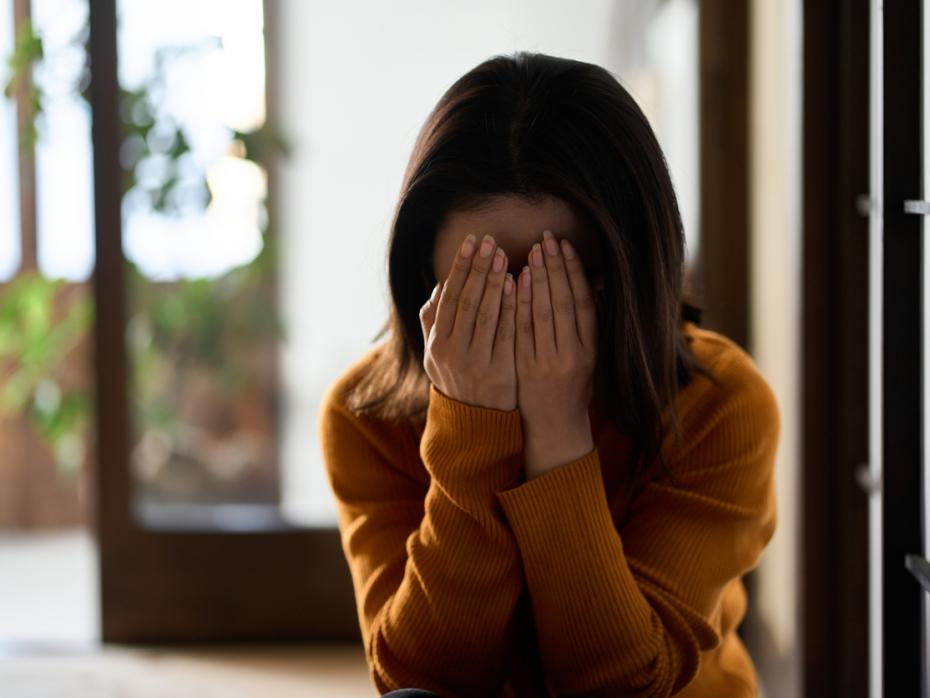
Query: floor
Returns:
{"type": "Point", "coordinates": [50, 648]}
{"type": "Point", "coordinates": [121, 672]}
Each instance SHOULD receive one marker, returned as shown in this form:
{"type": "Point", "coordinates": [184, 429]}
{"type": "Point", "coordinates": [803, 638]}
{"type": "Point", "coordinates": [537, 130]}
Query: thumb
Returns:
{"type": "Point", "coordinates": [428, 312]}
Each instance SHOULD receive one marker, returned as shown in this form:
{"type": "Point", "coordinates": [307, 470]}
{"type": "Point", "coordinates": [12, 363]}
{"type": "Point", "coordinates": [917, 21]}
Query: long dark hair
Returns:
{"type": "Point", "coordinates": [534, 125]}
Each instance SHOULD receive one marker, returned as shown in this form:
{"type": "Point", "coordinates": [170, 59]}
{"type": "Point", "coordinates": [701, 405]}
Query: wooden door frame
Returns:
{"type": "Point", "coordinates": [722, 270]}
{"type": "Point", "coordinates": [834, 378]}
{"type": "Point", "coordinates": [282, 583]}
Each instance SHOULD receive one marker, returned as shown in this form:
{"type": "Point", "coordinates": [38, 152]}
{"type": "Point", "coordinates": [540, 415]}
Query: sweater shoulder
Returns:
{"type": "Point", "coordinates": [740, 383]}
{"type": "Point", "coordinates": [726, 359]}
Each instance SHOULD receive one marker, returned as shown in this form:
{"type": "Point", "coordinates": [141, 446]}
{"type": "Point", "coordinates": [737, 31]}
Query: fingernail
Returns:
{"type": "Point", "coordinates": [552, 246]}
{"type": "Point", "coordinates": [508, 284]}
{"type": "Point", "coordinates": [468, 246]}
{"type": "Point", "coordinates": [525, 275]}
{"type": "Point", "coordinates": [567, 249]}
{"type": "Point", "coordinates": [498, 260]}
{"type": "Point", "coordinates": [435, 291]}
{"type": "Point", "coordinates": [487, 244]}
{"type": "Point", "coordinates": [536, 256]}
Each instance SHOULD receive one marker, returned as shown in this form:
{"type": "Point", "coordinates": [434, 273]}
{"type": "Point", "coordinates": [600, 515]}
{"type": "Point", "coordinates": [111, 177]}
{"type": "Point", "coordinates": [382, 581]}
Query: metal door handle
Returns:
{"type": "Point", "coordinates": [867, 483]}
{"type": "Point", "coordinates": [917, 207]}
{"type": "Point", "coordinates": [920, 568]}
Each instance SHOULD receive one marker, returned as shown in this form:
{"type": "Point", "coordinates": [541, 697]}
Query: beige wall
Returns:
{"type": "Point", "coordinates": [775, 272]}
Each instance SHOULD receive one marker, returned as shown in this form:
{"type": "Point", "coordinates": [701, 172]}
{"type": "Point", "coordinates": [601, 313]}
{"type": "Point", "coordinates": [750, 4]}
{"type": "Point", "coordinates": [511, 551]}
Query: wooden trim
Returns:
{"type": "Point", "coordinates": [26, 157]}
{"type": "Point", "coordinates": [721, 279]}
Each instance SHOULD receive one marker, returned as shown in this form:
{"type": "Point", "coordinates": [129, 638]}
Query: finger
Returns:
{"type": "Point", "coordinates": [490, 308]}
{"type": "Point", "coordinates": [525, 349]}
{"type": "Point", "coordinates": [428, 313]}
{"type": "Point", "coordinates": [542, 305]}
{"type": "Point", "coordinates": [504, 340]}
{"type": "Point", "coordinates": [452, 288]}
{"type": "Point", "coordinates": [472, 292]}
{"type": "Point", "coordinates": [560, 291]}
{"type": "Point", "coordinates": [585, 313]}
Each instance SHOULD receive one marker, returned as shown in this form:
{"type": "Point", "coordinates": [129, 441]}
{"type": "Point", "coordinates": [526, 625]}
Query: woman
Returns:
{"type": "Point", "coordinates": [549, 479]}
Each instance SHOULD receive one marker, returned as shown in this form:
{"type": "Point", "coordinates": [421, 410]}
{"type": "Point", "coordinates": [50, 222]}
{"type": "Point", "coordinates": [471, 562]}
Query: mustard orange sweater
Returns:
{"type": "Point", "coordinates": [471, 581]}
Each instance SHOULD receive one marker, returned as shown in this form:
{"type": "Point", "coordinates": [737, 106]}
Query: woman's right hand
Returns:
{"type": "Point", "coordinates": [468, 333]}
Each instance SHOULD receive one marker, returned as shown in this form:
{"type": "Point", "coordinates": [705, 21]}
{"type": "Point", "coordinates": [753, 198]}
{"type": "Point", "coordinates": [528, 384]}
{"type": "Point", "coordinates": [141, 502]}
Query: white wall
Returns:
{"type": "Point", "coordinates": [355, 82]}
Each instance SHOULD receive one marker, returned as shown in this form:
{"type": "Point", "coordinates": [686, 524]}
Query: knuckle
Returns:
{"type": "Point", "coordinates": [437, 350]}
{"type": "Point", "coordinates": [585, 301]}
{"type": "Point", "coordinates": [544, 315]}
{"type": "Point", "coordinates": [575, 360]}
{"type": "Point", "coordinates": [483, 317]}
{"type": "Point", "coordinates": [481, 265]}
{"type": "Point", "coordinates": [563, 305]}
{"type": "Point", "coordinates": [525, 327]}
{"type": "Point", "coordinates": [557, 370]}
{"type": "Point", "coordinates": [467, 302]}
{"type": "Point", "coordinates": [505, 331]}
{"type": "Point", "coordinates": [462, 265]}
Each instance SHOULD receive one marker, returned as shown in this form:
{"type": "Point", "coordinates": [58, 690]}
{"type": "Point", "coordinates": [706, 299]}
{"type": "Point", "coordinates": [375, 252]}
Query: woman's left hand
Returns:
{"type": "Point", "coordinates": [556, 352]}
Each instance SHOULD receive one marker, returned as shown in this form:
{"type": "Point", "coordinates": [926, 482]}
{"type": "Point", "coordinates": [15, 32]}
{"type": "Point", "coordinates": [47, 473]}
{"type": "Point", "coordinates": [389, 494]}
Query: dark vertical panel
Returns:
{"type": "Point", "coordinates": [851, 241]}
{"type": "Point", "coordinates": [902, 347]}
{"type": "Point", "coordinates": [722, 272]}
{"type": "Point", "coordinates": [834, 380]}
{"type": "Point", "coordinates": [112, 511]}
{"type": "Point", "coordinates": [820, 306]}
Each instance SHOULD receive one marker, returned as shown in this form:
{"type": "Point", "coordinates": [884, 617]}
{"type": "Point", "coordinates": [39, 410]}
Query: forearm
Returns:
{"type": "Point", "coordinates": [601, 630]}
{"type": "Point", "coordinates": [447, 625]}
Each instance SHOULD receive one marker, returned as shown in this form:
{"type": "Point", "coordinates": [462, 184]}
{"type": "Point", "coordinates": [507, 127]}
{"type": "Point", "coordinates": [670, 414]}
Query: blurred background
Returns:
{"type": "Point", "coordinates": [179, 227]}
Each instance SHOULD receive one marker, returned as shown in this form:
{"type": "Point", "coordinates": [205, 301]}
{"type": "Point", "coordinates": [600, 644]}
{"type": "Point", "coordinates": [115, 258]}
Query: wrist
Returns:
{"type": "Point", "coordinates": [556, 448]}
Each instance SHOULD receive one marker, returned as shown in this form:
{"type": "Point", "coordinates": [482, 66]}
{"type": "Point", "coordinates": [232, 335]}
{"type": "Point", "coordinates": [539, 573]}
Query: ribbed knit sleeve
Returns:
{"type": "Point", "coordinates": [436, 571]}
{"type": "Point", "coordinates": [628, 612]}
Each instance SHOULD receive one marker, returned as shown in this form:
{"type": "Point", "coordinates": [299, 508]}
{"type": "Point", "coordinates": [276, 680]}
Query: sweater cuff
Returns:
{"type": "Point", "coordinates": [545, 500]}
{"type": "Point", "coordinates": [552, 513]}
{"type": "Point", "coordinates": [562, 520]}
{"type": "Point", "coordinates": [464, 442]}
